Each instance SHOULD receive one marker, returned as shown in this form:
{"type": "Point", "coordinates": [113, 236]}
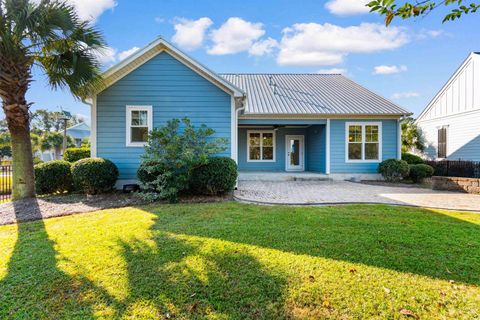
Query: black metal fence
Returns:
{"type": "Point", "coordinates": [5, 183]}
{"type": "Point", "coordinates": [459, 168]}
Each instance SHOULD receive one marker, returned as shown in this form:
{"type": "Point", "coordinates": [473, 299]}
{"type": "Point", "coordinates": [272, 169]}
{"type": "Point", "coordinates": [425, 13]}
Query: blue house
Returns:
{"type": "Point", "coordinates": [325, 124]}
{"type": "Point", "coordinates": [79, 132]}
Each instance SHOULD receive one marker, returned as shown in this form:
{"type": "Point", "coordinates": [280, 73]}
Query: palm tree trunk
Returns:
{"type": "Point", "coordinates": [19, 127]}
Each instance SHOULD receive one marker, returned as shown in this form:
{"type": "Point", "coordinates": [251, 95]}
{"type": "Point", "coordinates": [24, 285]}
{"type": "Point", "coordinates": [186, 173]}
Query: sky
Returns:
{"type": "Point", "coordinates": [408, 62]}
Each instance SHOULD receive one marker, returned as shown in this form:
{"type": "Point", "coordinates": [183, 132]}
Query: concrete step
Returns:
{"type": "Point", "coordinates": [283, 176]}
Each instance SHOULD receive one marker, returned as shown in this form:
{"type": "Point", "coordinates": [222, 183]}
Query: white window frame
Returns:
{"type": "Point", "coordinates": [380, 143]}
{"type": "Point", "coordinates": [129, 110]}
{"type": "Point", "coordinates": [261, 145]}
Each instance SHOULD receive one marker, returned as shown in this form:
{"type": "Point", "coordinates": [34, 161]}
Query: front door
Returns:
{"type": "Point", "coordinates": [294, 153]}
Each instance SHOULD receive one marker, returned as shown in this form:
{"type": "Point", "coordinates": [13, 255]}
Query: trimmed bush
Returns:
{"type": "Point", "coordinates": [393, 170]}
{"type": "Point", "coordinates": [418, 172]}
{"type": "Point", "coordinates": [53, 176]}
{"type": "Point", "coordinates": [94, 175]}
{"type": "Point", "coordinates": [218, 176]}
{"type": "Point", "coordinates": [412, 159]}
{"type": "Point", "coordinates": [75, 154]}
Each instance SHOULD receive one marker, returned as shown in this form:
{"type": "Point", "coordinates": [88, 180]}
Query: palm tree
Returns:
{"type": "Point", "coordinates": [50, 36]}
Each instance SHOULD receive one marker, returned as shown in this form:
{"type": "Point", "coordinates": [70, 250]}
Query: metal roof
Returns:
{"type": "Point", "coordinates": [310, 94]}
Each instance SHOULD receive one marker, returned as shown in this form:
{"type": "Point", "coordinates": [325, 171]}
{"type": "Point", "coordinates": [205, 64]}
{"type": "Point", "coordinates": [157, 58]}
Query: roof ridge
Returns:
{"type": "Point", "coordinates": [281, 73]}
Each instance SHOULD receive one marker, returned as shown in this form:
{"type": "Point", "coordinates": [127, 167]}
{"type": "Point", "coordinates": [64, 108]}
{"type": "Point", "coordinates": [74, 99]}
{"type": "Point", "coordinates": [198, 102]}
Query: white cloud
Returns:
{"type": "Point", "coordinates": [159, 20]}
{"type": "Point", "coordinates": [426, 34]}
{"type": "Point", "coordinates": [403, 95]}
{"type": "Point", "coordinates": [235, 35]}
{"type": "Point", "coordinates": [263, 47]}
{"type": "Point", "coordinates": [347, 7]}
{"type": "Point", "coordinates": [124, 54]}
{"type": "Point", "coordinates": [90, 9]}
{"type": "Point", "coordinates": [189, 34]}
{"type": "Point", "coordinates": [383, 69]}
{"type": "Point", "coordinates": [313, 44]}
{"type": "Point", "coordinates": [107, 55]}
{"type": "Point", "coordinates": [333, 71]}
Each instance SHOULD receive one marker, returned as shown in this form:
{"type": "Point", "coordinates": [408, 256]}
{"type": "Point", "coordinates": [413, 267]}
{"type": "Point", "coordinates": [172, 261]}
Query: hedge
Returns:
{"type": "Point", "coordinates": [53, 176]}
{"type": "Point", "coordinates": [75, 154]}
{"type": "Point", "coordinates": [218, 176]}
{"type": "Point", "coordinates": [94, 175]}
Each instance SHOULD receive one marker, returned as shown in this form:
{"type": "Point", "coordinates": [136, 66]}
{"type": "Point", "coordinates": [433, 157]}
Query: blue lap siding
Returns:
{"type": "Point", "coordinates": [337, 147]}
{"type": "Point", "coordinates": [174, 91]}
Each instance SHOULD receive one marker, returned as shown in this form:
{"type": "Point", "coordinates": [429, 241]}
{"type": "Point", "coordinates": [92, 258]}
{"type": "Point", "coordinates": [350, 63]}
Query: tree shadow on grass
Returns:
{"type": "Point", "coordinates": [413, 240]}
{"type": "Point", "coordinates": [181, 278]}
{"type": "Point", "coordinates": [35, 288]}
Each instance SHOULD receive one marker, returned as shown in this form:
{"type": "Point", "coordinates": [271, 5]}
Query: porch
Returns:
{"type": "Point", "coordinates": [282, 150]}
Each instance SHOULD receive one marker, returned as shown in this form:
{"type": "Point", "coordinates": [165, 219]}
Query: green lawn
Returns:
{"type": "Point", "coordinates": [235, 261]}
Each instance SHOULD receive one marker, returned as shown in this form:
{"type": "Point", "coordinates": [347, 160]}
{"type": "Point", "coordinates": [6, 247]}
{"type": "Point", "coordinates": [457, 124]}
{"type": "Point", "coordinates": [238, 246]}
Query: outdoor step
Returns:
{"type": "Point", "coordinates": [282, 176]}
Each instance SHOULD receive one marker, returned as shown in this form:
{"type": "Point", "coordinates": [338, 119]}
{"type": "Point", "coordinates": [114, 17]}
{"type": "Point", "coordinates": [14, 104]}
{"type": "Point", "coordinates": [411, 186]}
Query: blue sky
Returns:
{"type": "Point", "coordinates": [408, 62]}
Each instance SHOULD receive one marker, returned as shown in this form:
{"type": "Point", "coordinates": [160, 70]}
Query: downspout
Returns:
{"type": "Point", "coordinates": [93, 135]}
{"type": "Point", "coordinates": [241, 107]}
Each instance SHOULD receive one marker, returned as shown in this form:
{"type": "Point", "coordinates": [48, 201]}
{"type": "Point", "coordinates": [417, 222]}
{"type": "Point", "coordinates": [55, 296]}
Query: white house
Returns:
{"type": "Point", "coordinates": [451, 121]}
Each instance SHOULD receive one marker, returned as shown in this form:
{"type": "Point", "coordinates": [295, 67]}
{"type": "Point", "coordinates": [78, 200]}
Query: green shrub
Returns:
{"type": "Point", "coordinates": [53, 176]}
{"type": "Point", "coordinates": [218, 176]}
{"type": "Point", "coordinates": [94, 175]}
{"type": "Point", "coordinates": [418, 172]}
{"type": "Point", "coordinates": [75, 154]}
{"type": "Point", "coordinates": [412, 159]}
{"type": "Point", "coordinates": [37, 160]}
{"type": "Point", "coordinates": [393, 170]}
{"type": "Point", "coordinates": [171, 154]}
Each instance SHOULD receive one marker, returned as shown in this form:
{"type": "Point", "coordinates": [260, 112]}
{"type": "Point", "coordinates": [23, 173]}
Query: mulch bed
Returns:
{"type": "Point", "coordinates": [62, 205]}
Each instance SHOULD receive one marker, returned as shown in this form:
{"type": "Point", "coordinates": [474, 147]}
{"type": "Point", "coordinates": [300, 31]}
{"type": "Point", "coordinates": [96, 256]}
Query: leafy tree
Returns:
{"type": "Point", "coordinates": [43, 120]}
{"type": "Point", "coordinates": [54, 140]}
{"type": "Point", "coordinates": [391, 9]}
{"type": "Point", "coordinates": [50, 35]}
{"type": "Point", "coordinates": [5, 149]}
{"type": "Point", "coordinates": [412, 138]}
{"type": "Point", "coordinates": [171, 155]}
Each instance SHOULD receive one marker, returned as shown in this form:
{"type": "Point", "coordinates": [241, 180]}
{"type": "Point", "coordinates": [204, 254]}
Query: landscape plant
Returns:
{"type": "Point", "coordinates": [418, 172]}
{"type": "Point", "coordinates": [75, 154]}
{"type": "Point", "coordinates": [94, 175]}
{"type": "Point", "coordinates": [217, 176]}
{"type": "Point", "coordinates": [172, 152]}
{"type": "Point", "coordinates": [53, 176]}
{"type": "Point", "coordinates": [393, 170]}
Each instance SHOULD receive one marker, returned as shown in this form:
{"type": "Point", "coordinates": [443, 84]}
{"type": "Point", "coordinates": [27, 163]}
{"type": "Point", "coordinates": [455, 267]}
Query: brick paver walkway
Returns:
{"type": "Point", "coordinates": [338, 192]}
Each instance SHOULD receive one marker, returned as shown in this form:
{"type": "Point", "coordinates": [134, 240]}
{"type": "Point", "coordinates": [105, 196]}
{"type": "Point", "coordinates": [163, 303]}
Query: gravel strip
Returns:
{"type": "Point", "coordinates": [57, 206]}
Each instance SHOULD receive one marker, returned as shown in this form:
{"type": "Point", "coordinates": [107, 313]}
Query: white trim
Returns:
{"type": "Point", "coordinates": [157, 46]}
{"type": "Point", "coordinates": [128, 121]}
{"type": "Point", "coordinates": [301, 138]}
{"type": "Point", "coordinates": [261, 144]}
{"type": "Point", "coordinates": [327, 156]}
{"type": "Point", "coordinates": [93, 132]}
{"type": "Point", "coordinates": [399, 139]}
{"type": "Point", "coordinates": [363, 124]}
{"type": "Point", "coordinates": [471, 56]}
{"type": "Point", "coordinates": [233, 130]}
{"type": "Point", "coordinates": [320, 116]}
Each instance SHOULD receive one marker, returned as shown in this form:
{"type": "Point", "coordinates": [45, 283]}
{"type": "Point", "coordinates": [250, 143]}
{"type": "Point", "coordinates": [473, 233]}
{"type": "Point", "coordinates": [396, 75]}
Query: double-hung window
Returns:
{"type": "Point", "coordinates": [139, 124]}
{"type": "Point", "coordinates": [363, 141]}
{"type": "Point", "coordinates": [261, 146]}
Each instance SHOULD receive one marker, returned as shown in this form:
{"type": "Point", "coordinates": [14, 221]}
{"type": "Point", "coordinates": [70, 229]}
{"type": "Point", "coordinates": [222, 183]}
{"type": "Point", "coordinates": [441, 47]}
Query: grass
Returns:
{"type": "Point", "coordinates": [235, 261]}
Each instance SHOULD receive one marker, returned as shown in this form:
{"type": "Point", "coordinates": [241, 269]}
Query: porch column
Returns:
{"type": "Point", "coordinates": [399, 139]}
{"type": "Point", "coordinates": [327, 138]}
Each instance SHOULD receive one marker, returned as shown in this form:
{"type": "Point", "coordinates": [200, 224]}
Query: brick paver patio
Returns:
{"type": "Point", "coordinates": [338, 192]}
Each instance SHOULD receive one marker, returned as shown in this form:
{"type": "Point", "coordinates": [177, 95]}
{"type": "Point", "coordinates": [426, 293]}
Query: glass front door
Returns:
{"type": "Point", "coordinates": [294, 153]}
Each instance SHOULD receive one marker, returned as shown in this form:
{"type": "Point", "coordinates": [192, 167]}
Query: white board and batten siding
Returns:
{"type": "Point", "coordinates": [456, 107]}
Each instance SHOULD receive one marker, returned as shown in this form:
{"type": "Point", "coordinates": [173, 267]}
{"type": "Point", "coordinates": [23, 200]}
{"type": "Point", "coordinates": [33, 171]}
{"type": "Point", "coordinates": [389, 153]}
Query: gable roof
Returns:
{"type": "Point", "coordinates": [431, 104]}
{"type": "Point", "coordinates": [156, 47]}
{"type": "Point", "coordinates": [82, 126]}
{"type": "Point", "coordinates": [310, 94]}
